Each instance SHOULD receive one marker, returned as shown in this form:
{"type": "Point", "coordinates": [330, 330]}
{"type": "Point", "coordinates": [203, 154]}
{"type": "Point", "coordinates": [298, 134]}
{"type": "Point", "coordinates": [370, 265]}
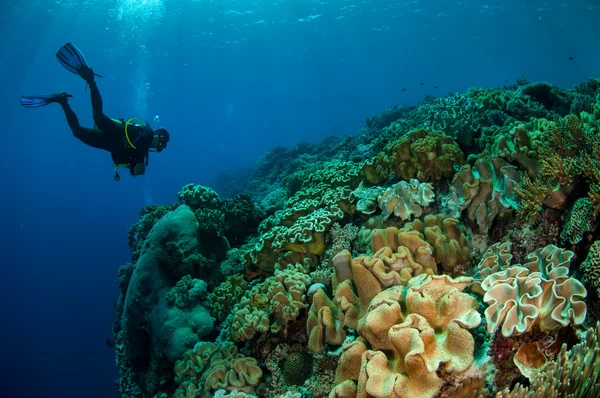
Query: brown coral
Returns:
{"type": "Point", "coordinates": [574, 374]}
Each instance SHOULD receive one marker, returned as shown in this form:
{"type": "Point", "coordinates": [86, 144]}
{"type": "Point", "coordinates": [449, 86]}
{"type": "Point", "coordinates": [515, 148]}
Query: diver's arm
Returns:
{"type": "Point", "coordinates": [97, 104]}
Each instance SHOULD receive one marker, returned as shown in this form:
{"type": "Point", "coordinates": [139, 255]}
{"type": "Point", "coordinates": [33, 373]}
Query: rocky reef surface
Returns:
{"type": "Point", "coordinates": [447, 250]}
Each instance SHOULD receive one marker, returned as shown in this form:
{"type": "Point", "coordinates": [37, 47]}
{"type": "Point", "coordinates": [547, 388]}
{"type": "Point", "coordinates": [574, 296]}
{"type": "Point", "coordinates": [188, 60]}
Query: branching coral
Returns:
{"type": "Point", "coordinates": [591, 268]}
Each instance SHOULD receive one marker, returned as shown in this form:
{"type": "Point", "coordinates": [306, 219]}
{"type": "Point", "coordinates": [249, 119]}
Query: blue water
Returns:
{"type": "Point", "coordinates": [229, 79]}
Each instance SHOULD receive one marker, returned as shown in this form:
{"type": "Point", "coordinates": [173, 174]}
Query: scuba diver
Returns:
{"type": "Point", "coordinates": [128, 143]}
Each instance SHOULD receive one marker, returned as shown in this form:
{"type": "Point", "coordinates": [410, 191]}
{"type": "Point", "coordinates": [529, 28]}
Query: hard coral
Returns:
{"type": "Point", "coordinates": [298, 367]}
{"type": "Point", "coordinates": [579, 221]}
{"type": "Point", "coordinates": [591, 268]}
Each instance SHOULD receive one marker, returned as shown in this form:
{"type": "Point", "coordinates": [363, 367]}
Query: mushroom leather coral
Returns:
{"type": "Point", "coordinates": [426, 155]}
{"type": "Point", "coordinates": [405, 199]}
{"type": "Point", "coordinates": [210, 367]}
{"type": "Point", "coordinates": [405, 336]}
{"type": "Point", "coordinates": [518, 299]}
{"type": "Point", "coordinates": [270, 305]}
{"type": "Point", "coordinates": [445, 235]}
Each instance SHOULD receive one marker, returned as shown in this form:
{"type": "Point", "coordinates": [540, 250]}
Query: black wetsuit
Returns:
{"type": "Point", "coordinates": [110, 134]}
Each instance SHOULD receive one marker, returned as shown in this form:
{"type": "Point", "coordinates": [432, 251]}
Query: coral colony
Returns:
{"type": "Point", "coordinates": [446, 250]}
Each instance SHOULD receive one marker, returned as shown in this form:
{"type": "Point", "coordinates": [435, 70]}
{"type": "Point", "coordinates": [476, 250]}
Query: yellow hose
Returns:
{"type": "Point", "coordinates": [127, 135]}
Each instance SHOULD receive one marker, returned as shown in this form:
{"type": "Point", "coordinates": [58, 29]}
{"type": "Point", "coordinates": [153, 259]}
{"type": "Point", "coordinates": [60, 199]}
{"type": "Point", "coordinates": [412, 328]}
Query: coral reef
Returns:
{"type": "Point", "coordinates": [447, 250]}
{"type": "Point", "coordinates": [421, 154]}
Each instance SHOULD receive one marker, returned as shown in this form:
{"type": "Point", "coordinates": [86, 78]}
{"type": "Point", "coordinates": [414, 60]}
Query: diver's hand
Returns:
{"type": "Point", "coordinates": [139, 169]}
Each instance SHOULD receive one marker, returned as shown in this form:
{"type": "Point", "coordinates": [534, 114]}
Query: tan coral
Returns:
{"type": "Point", "coordinates": [420, 327]}
{"type": "Point", "coordinates": [446, 237]}
{"type": "Point", "coordinates": [518, 299]}
{"type": "Point", "coordinates": [496, 258]}
{"type": "Point", "coordinates": [325, 324]}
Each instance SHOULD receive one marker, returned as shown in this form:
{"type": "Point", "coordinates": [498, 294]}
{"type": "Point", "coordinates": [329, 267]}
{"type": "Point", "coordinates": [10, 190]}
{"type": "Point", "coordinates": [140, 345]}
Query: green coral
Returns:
{"type": "Point", "coordinates": [422, 154]}
{"type": "Point", "coordinates": [226, 295]}
{"type": "Point", "coordinates": [272, 304]}
{"type": "Point", "coordinates": [178, 263]}
{"type": "Point", "coordinates": [211, 221]}
{"type": "Point", "coordinates": [298, 368]}
{"type": "Point", "coordinates": [139, 231]}
{"type": "Point", "coordinates": [210, 367]}
{"type": "Point", "coordinates": [185, 292]}
{"type": "Point", "coordinates": [580, 220]}
{"type": "Point", "coordinates": [199, 196]}
{"type": "Point", "coordinates": [591, 268]}
{"type": "Point", "coordinates": [305, 236]}
{"type": "Point", "coordinates": [456, 115]}
{"type": "Point", "coordinates": [483, 191]}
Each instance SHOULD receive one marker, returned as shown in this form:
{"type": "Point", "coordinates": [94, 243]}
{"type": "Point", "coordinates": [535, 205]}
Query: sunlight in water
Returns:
{"type": "Point", "coordinates": [138, 12]}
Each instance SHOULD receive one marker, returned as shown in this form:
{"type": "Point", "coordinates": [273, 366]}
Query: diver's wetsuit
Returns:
{"type": "Point", "coordinates": [110, 134]}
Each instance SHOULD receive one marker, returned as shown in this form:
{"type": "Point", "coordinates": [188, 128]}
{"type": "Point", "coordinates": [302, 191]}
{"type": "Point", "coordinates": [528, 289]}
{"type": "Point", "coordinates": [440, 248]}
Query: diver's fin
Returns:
{"type": "Point", "coordinates": [73, 60]}
{"type": "Point", "coordinates": [35, 101]}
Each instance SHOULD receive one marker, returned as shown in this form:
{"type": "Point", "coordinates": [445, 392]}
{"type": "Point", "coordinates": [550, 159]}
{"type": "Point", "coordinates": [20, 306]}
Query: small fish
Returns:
{"type": "Point", "coordinates": [435, 86]}
{"type": "Point", "coordinates": [420, 84]}
{"type": "Point", "coordinates": [404, 89]}
{"type": "Point", "coordinates": [388, 80]}
{"type": "Point", "coordinates": [506, 81]}
{"type": "Point", "coordinates": [571, 58]}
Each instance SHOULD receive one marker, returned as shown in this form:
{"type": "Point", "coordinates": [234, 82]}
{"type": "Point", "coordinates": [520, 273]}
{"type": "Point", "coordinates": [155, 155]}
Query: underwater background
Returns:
{"type": "Point", "coordinates": [231, 80]}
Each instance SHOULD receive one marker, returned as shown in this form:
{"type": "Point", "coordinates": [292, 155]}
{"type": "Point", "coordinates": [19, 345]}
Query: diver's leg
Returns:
{"type": "Point", "coordinates": [103, 122]}
{"type": "Point", "coordinates": [92, 137]}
